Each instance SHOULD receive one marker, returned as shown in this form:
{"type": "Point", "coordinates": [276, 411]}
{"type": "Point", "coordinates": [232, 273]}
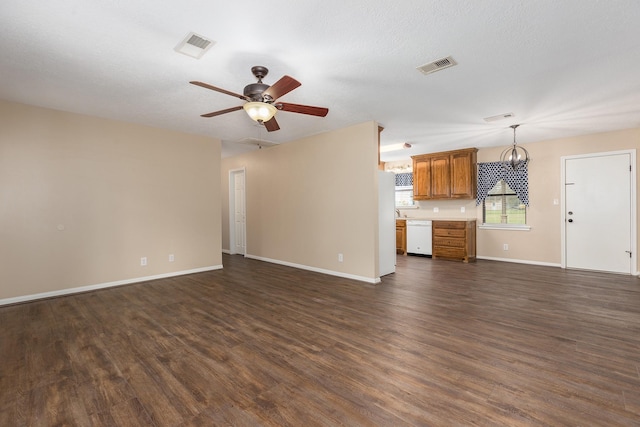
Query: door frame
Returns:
{"type": "Point", "coordinates": [232, 211]}
{"type": "Point", "coordinates": [633, 213]}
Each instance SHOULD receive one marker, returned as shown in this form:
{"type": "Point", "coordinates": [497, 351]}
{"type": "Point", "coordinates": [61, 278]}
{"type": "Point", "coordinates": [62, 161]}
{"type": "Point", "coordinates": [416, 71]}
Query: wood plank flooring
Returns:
{"type": "Point", "coordinates": [438, 343]}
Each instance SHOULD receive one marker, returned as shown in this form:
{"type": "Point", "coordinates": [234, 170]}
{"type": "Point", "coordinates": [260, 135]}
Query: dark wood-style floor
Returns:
{"type": "Point", "coordinates": [438, 344]}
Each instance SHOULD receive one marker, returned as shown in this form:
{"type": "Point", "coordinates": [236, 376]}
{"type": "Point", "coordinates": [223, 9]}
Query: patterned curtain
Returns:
{"type": "Point", "coordinates": [491, 172]}
{"type": "Point", "coordinates": [404, 179]}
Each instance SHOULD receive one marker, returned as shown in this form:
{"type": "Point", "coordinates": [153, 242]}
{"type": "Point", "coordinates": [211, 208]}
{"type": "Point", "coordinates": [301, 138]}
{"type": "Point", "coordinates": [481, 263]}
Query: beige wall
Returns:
{"type": "Point", "coordinates": [82, 199]}
{"type": "Point", "coordinates": [541, 244]}
{"type": "Point", "coordinates": [310, 199]}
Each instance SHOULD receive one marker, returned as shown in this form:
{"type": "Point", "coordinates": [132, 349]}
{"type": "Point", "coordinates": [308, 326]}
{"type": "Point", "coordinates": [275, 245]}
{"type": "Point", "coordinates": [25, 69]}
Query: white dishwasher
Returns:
{"type": "Point", "coordinates": [419, 236]}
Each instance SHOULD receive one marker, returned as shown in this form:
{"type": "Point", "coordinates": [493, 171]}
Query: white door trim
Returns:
{"type": "Point", "coordinates": [232, 211]}
{"type": "Point", "coordinates": [634, 232]}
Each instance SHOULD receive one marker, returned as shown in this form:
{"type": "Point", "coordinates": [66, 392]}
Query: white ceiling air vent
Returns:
{"type": "Point", "coordinates": [194, 45]}
{"type": "Point", "coordinates": [498, 117]}
{"type": "Point", "coordinates": [257, 142]}
{"type": "Point", "coordinates": [437, 65]}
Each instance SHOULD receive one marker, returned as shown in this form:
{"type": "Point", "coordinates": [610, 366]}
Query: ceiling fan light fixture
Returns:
{"type": "Point", "coordinates": [260, 111]}
{"type": "Point", "coordinates": [260, 100]}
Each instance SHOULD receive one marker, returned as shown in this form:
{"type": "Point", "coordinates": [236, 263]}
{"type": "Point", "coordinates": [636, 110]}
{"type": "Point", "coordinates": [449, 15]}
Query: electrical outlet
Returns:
{"type": "Point", "coordinates": [340, 258]}
{"type": "Point", "coordinates": [171, 258]}
{"type": "Point", "coordinates": [462, 209]}
{"type": "Point", "coordinates": [505, 247]}
{"type": "Point", "coordinates": [143, 261]}
{"type": "Point", "coordinates": [436, 210]}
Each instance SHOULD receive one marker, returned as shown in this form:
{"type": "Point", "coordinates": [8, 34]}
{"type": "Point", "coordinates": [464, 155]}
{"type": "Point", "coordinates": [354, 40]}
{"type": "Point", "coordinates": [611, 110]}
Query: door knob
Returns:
{"type": "Point", "coordinates": [570, 220]}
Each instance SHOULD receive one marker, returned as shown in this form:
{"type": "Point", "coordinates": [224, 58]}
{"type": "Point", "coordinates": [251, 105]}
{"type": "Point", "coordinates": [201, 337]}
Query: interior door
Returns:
{"type": "Point", "coordinates": [238, 220]}
{"type": "Point", "coordinates": [598, 231]}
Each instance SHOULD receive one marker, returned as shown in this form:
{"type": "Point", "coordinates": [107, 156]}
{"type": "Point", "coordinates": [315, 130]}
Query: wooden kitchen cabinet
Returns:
{"type": "Point", "coordinates": [440, 177]}
{"type": "Point", "coordinates": [421, 179]}
{"type": "Point", "coordinates": [401, 236]}
{"type": "Point", "coordinates": [454, 239]}
{"type": "Point", "coordinates": [464, 182]}
{"type": "Point", "coordinates": [446, 175]}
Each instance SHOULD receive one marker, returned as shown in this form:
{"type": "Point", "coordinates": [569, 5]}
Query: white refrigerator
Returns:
{"type": "Point", "coordinates": [386, 222]}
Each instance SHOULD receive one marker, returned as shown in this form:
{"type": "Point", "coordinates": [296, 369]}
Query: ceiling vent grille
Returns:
{"type": "Point", "coordinates": [498, 117]}
{"type": "Point", "coordinates": [437, 65]}
{"type": "Point", "coordinates": [194, 45]}
{"type": "Point", "coordinates": [256, 142]}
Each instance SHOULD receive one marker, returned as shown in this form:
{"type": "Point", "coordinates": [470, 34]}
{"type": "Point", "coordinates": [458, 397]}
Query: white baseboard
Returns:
{"type": "Point", "coordinates": [544, 264]}
{"type": "Point", "coordinates": [317, 270]}
{"type": "Point", "coordinates": [62, 292]}
{"type": "Point", "coordinates": [226, 251]}
{"type": "Point", "coordinates": [521, 261]}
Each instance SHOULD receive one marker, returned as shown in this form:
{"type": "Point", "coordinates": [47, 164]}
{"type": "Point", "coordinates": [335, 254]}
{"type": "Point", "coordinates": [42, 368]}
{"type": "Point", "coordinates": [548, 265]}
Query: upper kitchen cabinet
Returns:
{"type": "Point", "coordinates": [421, 178]}
{"type": "Point", "coordinates": [446, 175]}
{"type": "Point", "coordinates": [464, 175]}
{"type": "Point", "coordinates": [440, 176]}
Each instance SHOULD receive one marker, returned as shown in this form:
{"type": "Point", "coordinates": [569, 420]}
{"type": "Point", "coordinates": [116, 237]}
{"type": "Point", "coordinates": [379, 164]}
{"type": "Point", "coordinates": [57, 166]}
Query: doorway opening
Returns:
{"type": "Point", "coordinates": [237, 212]}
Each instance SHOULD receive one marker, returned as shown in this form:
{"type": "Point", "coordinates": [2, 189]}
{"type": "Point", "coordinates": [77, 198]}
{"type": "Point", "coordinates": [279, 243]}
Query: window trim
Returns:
{"type": "Point", "coordinates": [510, 227]}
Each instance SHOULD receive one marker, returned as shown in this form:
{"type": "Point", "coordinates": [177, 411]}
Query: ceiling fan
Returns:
{"type": "Point", "coordinates": [262, 99]}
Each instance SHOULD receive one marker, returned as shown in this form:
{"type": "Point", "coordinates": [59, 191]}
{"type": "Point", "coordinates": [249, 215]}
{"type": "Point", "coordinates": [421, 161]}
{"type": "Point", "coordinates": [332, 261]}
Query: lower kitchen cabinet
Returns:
{"type": "Point", "coordinates": [455, 239]}
{"type": "Point", "coordinates": [401, 236]}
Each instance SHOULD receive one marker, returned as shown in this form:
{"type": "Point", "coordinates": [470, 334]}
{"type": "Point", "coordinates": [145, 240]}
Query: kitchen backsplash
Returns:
{"type": "Point", "coordinates": [446, 209]}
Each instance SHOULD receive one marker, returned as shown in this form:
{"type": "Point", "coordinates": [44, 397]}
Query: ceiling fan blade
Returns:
{"type": "Point", "coordinates": [302, 109]}
{"type": "Point", "coordinates": [217, 89]}
{"type": "Point", "coordinates": [283, 86]}
{"type": "Point", "coordinates": [217, 113]}
{"type": "Point", "coordinates": [272, 124]}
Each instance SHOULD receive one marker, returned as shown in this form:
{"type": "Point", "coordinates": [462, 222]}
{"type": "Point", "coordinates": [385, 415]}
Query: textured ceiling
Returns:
{"type": "Point", "coordinates": [563, 67]}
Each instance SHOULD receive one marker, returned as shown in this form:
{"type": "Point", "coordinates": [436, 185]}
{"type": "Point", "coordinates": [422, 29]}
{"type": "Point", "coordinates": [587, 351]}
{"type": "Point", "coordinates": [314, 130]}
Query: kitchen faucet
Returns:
{"type": "Point", "coordinates": [398, 213]}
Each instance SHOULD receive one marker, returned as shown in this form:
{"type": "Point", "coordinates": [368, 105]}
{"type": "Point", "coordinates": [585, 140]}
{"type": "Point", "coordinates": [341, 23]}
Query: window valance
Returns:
{"type": "Point", "coordinates": [490, 173]}
{"type": "Point", "coordinates": [404, 179]}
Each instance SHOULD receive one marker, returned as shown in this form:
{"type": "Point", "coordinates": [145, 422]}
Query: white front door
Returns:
{"type": "Point", "coordinates": [237, 221]}
{"type": "Point", "coordinates": [598, 212]}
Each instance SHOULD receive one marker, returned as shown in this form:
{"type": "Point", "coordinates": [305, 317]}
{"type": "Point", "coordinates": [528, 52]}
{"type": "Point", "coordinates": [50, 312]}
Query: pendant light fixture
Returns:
{"type": "Point", "coordinates": [514, 157]}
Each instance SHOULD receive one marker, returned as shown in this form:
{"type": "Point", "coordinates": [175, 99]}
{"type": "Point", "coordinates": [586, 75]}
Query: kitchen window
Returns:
{"type": "Point", "coordinates": [404, 190]}
{"type": "Point", "coordinates": [502, 206]}
{"type": "Point", "coordinates": [504, 196]}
